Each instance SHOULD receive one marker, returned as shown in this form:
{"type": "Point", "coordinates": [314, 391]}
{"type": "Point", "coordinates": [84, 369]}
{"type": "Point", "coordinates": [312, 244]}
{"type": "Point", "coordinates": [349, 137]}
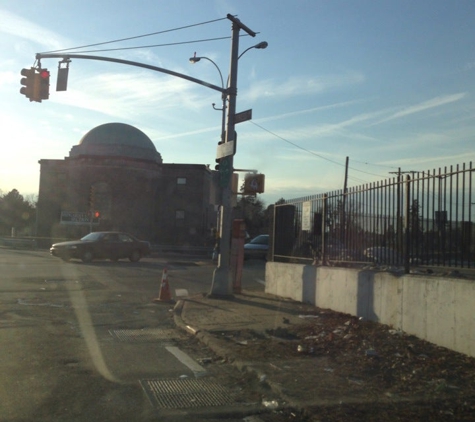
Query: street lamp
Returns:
{"type": "Point", "coordinates": [262, 45]}
{"type": "Point", "coordinates": [259, 46]}
{"type": "Point", "coordinates": [194, 60]}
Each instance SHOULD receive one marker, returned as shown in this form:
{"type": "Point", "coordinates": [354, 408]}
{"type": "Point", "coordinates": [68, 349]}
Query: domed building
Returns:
{"type": "Point", "coordinates": [116, 176]}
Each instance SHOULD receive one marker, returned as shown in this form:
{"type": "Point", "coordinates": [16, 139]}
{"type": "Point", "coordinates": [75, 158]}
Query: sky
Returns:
{"type": "Point", "coordinates": [387, 83]}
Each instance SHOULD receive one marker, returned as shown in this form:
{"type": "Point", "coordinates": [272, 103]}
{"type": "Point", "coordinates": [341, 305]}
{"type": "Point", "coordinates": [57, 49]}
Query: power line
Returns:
{"type": "Point", "coordinates": [311, 152]}
{"type": "Point", "coordinates": [154, 45]}
{"type": "Point", "coordinates": [136, 37]}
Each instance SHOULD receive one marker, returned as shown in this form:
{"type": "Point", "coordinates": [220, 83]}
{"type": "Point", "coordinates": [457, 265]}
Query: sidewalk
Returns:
{"type": "Point", "coordinates": [319, 359]}
{"type": "Point", "coordinates": [250, 331]}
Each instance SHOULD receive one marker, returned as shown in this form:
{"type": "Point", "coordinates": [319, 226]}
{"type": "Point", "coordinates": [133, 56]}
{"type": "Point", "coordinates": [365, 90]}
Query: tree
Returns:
{"type": "Point", "coordinates": [251, 210]}
{"type": "Point", "coordinates": [16, 212]}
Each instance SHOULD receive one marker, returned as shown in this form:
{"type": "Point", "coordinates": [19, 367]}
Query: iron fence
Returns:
{"type": "Point", "coordinates": [420, 218]}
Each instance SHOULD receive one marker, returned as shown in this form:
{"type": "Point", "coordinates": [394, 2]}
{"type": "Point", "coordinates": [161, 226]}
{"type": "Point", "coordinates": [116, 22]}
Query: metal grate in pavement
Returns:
{"type": "Point", "coordinates": [145, 334]}
{"type": "Point", "coordinates": [186, 393]}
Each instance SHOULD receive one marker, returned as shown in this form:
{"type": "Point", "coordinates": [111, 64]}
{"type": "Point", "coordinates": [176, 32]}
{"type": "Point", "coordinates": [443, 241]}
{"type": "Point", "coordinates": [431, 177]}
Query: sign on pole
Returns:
{"type": "Point", "coordinates": [243, 116]}
{"type": "Point", "coordinates": [306, 220]}
{"type": "Point", "coordinates": [226, 149]}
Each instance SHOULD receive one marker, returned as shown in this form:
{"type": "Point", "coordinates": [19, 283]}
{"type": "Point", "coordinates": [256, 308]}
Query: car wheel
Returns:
{"type": "Point", "coordinates": [87, 256]}
{"type": "Point", "coordinates": [135, 256]}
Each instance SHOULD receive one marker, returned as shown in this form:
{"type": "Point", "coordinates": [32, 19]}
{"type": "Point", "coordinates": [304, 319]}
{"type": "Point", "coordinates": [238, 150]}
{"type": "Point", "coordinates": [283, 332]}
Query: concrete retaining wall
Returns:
{"type": "Point", "coordinates": [439, 310]}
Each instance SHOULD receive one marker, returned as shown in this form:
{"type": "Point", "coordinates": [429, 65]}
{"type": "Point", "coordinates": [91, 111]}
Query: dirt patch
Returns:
{"type": "Point", "coordinates": [383, 370]}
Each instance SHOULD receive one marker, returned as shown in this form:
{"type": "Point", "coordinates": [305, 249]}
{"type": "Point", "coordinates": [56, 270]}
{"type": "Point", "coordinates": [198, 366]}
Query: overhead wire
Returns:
{"type": "Point", "coordinates": [155, 45]}
{"type": "Point", "coordinates": [311, 152]}
{"type": "Point", "coordinates": [135, 37]}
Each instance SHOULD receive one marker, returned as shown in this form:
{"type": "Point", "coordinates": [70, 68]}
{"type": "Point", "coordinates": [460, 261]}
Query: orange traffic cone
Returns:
{"type": "Point", "coordinates": [165, 295]}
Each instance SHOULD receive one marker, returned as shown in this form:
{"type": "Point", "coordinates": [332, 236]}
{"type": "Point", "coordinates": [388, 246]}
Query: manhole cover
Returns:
{"type": "Point", "coordinates": [145, 334]}
{"type": "Point", "coordinates": [186, 393]}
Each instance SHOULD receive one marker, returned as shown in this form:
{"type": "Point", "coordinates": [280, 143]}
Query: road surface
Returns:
{"type": "Point", "coordinates": [87, 342]}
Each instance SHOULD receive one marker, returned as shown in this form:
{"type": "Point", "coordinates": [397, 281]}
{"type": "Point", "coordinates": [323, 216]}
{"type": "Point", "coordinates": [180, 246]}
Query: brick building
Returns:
{"type": "Point", "coordinates": [116, 170]}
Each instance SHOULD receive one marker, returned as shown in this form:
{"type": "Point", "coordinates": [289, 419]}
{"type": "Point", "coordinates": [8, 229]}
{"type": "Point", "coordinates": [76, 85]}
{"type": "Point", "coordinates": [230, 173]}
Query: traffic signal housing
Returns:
{"type": "Point", "coordinates": [29, 82]}
{"type": "Point", "coordinates": [254, 183]}
{"type": "Point", "coordinates": [43, 78]}
{"type": "Point", "coordinates": [96, 216]}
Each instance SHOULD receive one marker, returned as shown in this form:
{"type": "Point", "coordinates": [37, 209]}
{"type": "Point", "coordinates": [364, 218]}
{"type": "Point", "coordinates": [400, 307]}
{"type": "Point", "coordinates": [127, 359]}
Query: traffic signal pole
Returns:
{"type": "Point", "coordinates": [222, 281]}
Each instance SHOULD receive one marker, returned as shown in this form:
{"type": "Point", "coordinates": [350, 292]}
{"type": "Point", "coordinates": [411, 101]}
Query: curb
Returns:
{"type": "Point", "coordinates": [219, 348]}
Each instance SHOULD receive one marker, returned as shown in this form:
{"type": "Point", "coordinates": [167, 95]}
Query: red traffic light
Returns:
{"type": "Point", "coordinates": [97, 214]}
{"type": "Point", "coordinates": [44, 74]}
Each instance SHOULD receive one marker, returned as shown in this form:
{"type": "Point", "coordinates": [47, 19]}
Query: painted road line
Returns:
{"type": "Point", "coordinates": [186, 360]}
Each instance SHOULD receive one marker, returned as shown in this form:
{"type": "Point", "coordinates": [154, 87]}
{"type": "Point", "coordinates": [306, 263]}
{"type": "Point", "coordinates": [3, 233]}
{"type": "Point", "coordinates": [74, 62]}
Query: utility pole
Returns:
{"type": "Point", "coordinates": [222, 280]}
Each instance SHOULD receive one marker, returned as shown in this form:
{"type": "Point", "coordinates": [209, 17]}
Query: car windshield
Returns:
{"type": "Point", "coordinates": [92, 237]}
{"type": "Point", "coordinates": [260, 240]}
{"type": "Point", "coordinates": [241, 211]}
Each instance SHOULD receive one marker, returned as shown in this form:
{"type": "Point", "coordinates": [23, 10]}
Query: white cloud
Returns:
{"type": "Point", "coordinates": [301, 85]}
{"type": "Point", "coordinates": [426, 105]}
{"type": "Point", "coordinates": [21, 28]}
{"type": "Point", "coordinates": [124, 95]}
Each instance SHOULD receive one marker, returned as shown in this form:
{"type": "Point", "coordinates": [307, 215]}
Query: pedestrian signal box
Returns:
{"type": "Point", "coordinates": [253, 183]}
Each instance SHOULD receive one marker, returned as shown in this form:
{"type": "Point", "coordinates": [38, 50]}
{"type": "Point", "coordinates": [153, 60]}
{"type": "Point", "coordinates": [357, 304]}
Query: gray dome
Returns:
{"type": "Point", "coordinates": [116, 140]}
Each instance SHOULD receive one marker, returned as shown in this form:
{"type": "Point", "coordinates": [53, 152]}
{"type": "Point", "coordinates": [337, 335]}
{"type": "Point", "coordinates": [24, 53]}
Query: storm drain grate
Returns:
{"type": "Point", "coordinates": [186, 393]}
{"type": "Point", "coordinates": [145, 334]}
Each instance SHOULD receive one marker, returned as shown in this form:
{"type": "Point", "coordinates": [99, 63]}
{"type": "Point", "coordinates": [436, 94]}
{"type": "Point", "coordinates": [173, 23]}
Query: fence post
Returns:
{"type": "Point", "coordinates": [407, 233]}
{"type": "Point", "coordinates": [324, 224]}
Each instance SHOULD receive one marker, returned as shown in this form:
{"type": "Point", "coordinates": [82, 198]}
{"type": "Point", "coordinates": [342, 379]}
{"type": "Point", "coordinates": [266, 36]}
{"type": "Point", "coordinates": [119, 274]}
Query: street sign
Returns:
{"type": "Point", "coordinates": [77, 218]}
{"type": "Point", "coordinates": [226, 149]}
{"type": "Point", "coordinates": [243, 116]}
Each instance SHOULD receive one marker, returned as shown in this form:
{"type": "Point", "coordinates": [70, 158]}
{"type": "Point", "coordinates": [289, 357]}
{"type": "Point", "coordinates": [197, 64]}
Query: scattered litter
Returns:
{"type": "Point", "coordinates": [328, 369]}
{"type": "Point", "coordinates": [263, 378]}
{"type": "Point", "coordinates": [273, 404]}
{"type": "Point", "coordinates": [356, 381]}
{"type": "Point", "coordinates": [205, 360]}
{"type": "Point", "coordinates": [311, 338]}
{"type": "Point", "coordinates": [181, 292]}
{"type": "Point", "coordinates": [182, 377]}
{"type": "Point", "coordinates": [309, 316]}
{"type": "Point", "coordinates": [242, 342]}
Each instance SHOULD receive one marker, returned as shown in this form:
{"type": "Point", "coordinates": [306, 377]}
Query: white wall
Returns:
{"type": "Point", "coordinates": [439, 310]}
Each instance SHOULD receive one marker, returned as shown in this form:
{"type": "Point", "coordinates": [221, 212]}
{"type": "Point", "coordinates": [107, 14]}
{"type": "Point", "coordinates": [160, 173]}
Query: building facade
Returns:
{"type": "Point", "coordinates": [116, 171]}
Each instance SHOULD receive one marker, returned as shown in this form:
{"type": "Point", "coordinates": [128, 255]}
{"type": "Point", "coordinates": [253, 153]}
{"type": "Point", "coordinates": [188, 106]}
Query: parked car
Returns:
{"type": "Point", "coordinates": [257, 247]}
{"type": "Point", "coordinates": [102, 245]}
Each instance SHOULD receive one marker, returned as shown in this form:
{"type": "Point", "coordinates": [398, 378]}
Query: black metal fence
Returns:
{"type": "Point", "coordinates": [420, 218]}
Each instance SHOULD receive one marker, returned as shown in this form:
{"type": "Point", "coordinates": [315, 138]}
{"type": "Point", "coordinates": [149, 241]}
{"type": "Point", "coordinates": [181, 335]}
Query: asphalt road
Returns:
{"type": "Point", "coordinates": [86, 341]}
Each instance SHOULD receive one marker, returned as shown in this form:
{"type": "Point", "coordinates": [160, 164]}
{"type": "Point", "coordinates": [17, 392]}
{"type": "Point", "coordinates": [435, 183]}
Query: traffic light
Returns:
{"type": "Point", "coordinates": [253, 183]}
{"type": "Point", "coordinates": [96, 215]}
{"type": "Point", "coordinates": [29, 84]}
{"type": "Point", "coordinates": [43, 77]}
